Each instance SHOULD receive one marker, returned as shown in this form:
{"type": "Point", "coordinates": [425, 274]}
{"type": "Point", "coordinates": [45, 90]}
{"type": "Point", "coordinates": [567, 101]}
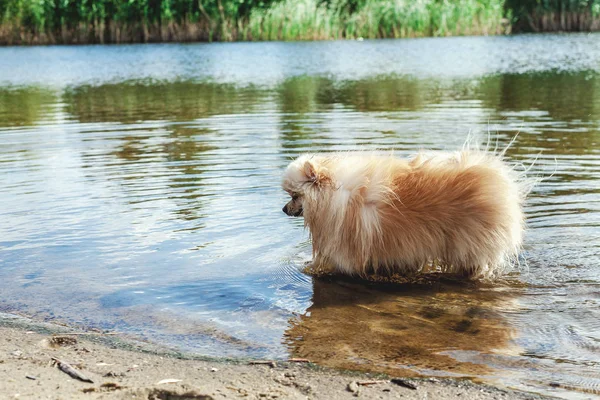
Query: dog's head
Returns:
{"type": "Point", "coordinates": [303, 179]}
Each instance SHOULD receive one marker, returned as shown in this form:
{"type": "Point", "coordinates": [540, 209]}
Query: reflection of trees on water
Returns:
{"type": "Point", "coordinates": [296, 98]}
{"type": "Point", "coordinates": [175, 102]}
{"type": "Point", "coordinates": [164, 124]}
{"type": "Point", "coordinates": [304, 94]}
{"type": "Point", "coordinates": [389, 94]}
{"type": "Point", "coordinates": [387, 329]}
{"type": "Point", "coordinates": [26, 106]}
{"type": "Point", "coordinates": [307, 104]}
{"type": "Point", "coordinates": [564, 96]}
{"type": "Point", "coordinates": [184, 153]}
{"type": "Point", "coordinates": [175, 163]}
{"type": "Point", "coordinates": [160, 143]}
{"type": "Point", "coordinates": [564, 107]}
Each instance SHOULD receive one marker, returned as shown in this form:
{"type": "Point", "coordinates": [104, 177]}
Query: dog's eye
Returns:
{"type": "Point", "coordinates": [295, 196]}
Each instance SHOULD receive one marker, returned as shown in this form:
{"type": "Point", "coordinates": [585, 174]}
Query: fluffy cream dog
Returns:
{"type": "Point", "coordinates": [370, 213]}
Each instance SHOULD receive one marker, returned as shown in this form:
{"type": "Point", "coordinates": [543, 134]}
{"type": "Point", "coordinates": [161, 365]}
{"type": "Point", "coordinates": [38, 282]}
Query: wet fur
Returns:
{"type": "Point", "coordinates": [370, 213]}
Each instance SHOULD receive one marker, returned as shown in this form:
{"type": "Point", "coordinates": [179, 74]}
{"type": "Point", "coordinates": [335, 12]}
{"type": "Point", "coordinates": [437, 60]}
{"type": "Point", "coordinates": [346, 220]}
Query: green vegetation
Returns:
{"type": "Point", "coordinates": [121, 21]}
{"type": "Point", "coordinates": [555, 15]}
{"type": "Point", "coordinates": [312, 19]}
{"type": "Point", "coordinates": [118, 21]}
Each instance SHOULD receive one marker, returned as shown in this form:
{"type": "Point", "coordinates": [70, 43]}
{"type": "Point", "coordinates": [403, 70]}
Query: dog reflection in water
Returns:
{"type": "Point", "coordinates": [369, 213]}
{"type": "Point", "coordinates": [447, 327]}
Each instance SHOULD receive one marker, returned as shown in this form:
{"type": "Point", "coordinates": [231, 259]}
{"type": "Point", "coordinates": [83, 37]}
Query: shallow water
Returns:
{"type": "Point", "coordinates": [140, 193]}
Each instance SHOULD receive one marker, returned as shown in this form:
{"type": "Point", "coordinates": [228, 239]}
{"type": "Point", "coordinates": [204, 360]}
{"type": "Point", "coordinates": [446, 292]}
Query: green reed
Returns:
{"type": "Point", "coordinates": [313, 19]}
{"type": "Point", "coordinates": [555, 15]}
{"type": "Point", "coordinates": [118, 21]}
{"type": "Point", "coordinates": [295, 20]}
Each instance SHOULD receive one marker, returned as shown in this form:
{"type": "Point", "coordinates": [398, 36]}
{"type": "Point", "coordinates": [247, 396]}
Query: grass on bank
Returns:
{"type": "Point", "coordinates": [119, 21]}
{"type": "Point", "coordinates": [555, 15]}
{"type": "Point", "coordinates": [311, 19]}
{"type": "Point", "coordinates": [112, 21]}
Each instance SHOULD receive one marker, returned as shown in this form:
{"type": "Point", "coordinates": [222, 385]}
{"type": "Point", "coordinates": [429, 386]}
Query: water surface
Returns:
{"type": "Point", "coordinates": [140, 193]}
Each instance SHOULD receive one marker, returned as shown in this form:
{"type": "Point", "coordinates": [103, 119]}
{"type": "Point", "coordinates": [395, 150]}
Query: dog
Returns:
{"type": "Point", "coordinates": [367, 213]}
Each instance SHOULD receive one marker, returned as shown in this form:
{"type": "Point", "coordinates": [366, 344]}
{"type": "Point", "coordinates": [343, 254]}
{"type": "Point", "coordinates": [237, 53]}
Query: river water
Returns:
{"type": "Point", "coordinates": [140, 192]}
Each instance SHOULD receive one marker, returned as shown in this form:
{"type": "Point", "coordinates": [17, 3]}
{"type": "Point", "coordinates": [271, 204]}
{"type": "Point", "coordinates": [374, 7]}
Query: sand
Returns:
{"type": "Point", "coordinates": [125, 369]}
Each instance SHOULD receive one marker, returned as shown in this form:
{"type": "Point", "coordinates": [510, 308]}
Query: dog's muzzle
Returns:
{"type": "Point", "coordinates": [297, 213]}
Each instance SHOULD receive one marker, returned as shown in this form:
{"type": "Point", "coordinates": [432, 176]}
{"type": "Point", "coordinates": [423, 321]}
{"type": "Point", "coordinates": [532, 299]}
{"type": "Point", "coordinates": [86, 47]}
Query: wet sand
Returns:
{"type": "Point", "coordinates": [125, 369]}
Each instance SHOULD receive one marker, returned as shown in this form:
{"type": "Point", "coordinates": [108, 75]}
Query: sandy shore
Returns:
{"type": "Point", "coordinates": [125, 369]}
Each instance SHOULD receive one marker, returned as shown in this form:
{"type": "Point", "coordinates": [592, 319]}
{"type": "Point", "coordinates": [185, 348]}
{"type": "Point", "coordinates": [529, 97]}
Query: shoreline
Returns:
{"type": "Point", "coordinates": [123, 369]}
{"type": "Point", "coordinates": [37, 43]}
{"type": "Point", "coordinates": [308, 40]}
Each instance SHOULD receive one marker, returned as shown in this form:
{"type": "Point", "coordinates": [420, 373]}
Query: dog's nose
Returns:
{"type": "Point", "coordinates": [284, 209]}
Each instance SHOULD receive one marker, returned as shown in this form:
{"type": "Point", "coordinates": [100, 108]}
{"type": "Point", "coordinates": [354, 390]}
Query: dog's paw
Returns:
{"type": "Point", "coordinates": [318, 269]}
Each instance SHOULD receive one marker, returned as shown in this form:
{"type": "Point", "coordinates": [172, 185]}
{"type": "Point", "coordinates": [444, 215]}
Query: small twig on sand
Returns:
{"type": "Point", "coordinates": [403, 383]}
{"type": "Point", "coordinates": [368, 383]}
{"type": "Point", "coordinates": [90, 333]}
{"type": "Point", "coordinates": [299, 360]}
{"type": "Point", "coordinates": [271, 364]}
{"type": "Point", "coordinates": [68, 369]}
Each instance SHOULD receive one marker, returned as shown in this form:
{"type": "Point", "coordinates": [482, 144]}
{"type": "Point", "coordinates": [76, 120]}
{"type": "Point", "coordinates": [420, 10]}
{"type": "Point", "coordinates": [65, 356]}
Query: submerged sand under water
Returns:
{"type": "Point", "coordinates": [407, 329]}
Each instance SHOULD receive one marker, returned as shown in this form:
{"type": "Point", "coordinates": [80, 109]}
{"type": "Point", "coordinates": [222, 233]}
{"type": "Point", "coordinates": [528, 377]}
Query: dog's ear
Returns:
{"type": "Point", "coordinates": [310, 171]}
{"type": "Point", "coordinates": [316, 174]}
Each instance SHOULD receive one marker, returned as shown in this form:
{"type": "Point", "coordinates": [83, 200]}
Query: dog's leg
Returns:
{"type": "Point", "coordinates": [320, 266]}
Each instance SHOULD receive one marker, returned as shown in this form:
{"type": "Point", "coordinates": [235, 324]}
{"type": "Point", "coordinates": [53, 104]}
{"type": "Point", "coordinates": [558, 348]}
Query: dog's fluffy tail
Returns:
{"type": "Point", "coordinates": [526, 181]}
